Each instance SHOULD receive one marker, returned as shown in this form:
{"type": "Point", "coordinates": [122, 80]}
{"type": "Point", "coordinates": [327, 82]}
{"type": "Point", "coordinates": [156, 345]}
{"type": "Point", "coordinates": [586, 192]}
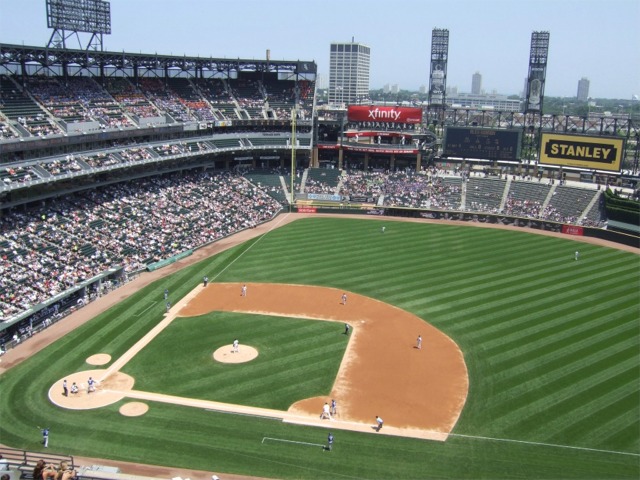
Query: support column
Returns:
{"type": "Point", "coordinates": [340, 158]}
{"type": "Point", "coordinates": [418, 162]}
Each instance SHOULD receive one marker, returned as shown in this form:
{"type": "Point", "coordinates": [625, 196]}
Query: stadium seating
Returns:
{"type": "Point", "coordinates": [484, 194]}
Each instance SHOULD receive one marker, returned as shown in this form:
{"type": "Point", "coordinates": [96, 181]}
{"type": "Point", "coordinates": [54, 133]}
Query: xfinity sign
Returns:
{"type": "Point", "coordinates": [384, 114]}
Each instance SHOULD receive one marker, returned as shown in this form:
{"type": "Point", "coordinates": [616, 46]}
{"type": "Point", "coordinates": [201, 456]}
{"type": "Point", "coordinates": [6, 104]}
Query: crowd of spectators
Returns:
{"type": "Point", "coordinates": [135, 154]}
{"type": "Point", "coordinates": [118, 102]}
{"type": "Point", "coordinates": [15, 174]}
{"type": "Point", "coordinates": [166, 99]}
{"type": "Point", "coordinates": [6, 131]}
{"type": "Point", "coordinates": [80, 99]}
{"type": "Point", "coordinates": [61, 166]}
{"type": "Point", "coordinates": [130, 98]}
{"type": "Point", "coordinates": [50, 248]}
{"type": "Point", "coordinates": [100, 160]}
{"type": "Point", "coordinates": [361, 183]}
{"type": "Point", "coordinates": [39, 125]}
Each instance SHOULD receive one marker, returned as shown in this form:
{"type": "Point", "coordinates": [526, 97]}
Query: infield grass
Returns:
{"type": "Point", "coordinates": [552, 346]}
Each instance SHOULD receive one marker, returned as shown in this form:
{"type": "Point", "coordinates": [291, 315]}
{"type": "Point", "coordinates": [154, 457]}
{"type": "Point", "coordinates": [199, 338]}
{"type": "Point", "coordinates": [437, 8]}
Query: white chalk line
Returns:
{"type": "Point", "coordinates": [292, 441]}
{"type": "Point", "coordinates": [542, 444]}
{"type": "Point", "coordinates": [149, 307]}
{"type": "Point", "coordinates": [252, 245]}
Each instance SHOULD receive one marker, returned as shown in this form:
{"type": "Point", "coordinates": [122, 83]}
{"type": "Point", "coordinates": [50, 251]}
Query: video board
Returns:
{"type": "Point", "coordinates": [581, 151]}
{"type": "Point", "coordinates": [483, 143]}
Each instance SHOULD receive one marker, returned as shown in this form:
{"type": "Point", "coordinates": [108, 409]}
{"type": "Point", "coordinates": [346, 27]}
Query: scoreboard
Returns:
{"type": "Point", "coordinates": [483, 143]}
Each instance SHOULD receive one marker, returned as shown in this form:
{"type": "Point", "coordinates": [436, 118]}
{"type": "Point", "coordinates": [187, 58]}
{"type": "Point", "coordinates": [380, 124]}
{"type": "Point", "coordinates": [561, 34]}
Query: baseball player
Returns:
{"type": "Point", "coordinates": [344, 299]}
{"type": "Point", "coordinates": [379, 422]}
{"type": "Point", "coordinates": [326, 413]}
{"type": "Point", "coordinates": [243, 291]}
{"type": "Point", "coordinates": [236, 346]}
{"type": "Point", "coordinates": [45, 437]}
{"type": "Point", "coordinates": [419, 342]}
{"type": "Point", "coordinates": [91, 385]}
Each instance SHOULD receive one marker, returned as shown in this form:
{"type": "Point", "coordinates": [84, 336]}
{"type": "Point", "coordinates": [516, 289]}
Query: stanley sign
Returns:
{"type": "Point", "coordinates": [594, 153]}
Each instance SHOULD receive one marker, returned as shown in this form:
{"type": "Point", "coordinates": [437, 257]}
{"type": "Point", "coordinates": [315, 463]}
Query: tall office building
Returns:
{"type": "Point", "coordinates": [583, 89]}
{"type": "Point", "coordinates": [349, 73]}
{"type": "Point", "coordinates": [476, 84]}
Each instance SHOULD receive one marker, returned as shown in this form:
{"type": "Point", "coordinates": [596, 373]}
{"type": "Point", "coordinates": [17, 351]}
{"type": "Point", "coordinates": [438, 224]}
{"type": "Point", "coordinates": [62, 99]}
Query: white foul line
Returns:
{"type": "Point", "coordinates": [544, 444]}
{"type": "Point", "coordinates": [292, 441]}
{"type": "Point", "coordinates": [152, 304]}
{"type": "Point", "coordinates": [251, 246]}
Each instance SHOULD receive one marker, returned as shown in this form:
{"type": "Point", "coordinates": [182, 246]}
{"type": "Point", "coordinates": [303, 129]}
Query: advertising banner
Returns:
{"type": "Point", "coordinates": [595, 153]}
{"type": "Point", "coordinates": [358, 113]}
{"type": "Point", "coordinates": [572, 230]}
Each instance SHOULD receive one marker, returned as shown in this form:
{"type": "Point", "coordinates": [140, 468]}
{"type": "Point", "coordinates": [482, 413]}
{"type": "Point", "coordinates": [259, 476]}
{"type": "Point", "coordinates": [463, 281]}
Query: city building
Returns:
{"type": "Point", "coordinates": [349, 66]}
{"type": "Point", "coordinates": [583, 89]}
{"type": "Point", "coordinates": [488, 102]}
{"type": "Point", "coordinates": [476, 84]}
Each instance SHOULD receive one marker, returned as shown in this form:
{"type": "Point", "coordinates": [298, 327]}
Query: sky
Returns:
{"type": "Point", "coordinates": [596, 39]}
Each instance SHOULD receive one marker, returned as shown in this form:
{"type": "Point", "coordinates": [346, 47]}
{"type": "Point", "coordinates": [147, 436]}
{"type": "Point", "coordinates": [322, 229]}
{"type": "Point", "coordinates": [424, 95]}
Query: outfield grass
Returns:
{"type": "Point", "coordinates": [552, 346]}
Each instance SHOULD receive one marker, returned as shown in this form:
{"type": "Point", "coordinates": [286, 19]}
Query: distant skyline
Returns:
{"type": "Point", "coordinates": [588, 38]}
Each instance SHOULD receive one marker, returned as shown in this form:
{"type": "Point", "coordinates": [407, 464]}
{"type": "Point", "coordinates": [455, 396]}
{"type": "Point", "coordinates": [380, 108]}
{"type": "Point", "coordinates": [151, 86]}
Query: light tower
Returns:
{"type": "Point", "coordinates": [70, 17]}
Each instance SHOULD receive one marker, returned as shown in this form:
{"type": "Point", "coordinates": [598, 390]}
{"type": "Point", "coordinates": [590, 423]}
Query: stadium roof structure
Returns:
{"type": "Point", "coordinates": [15, 58]}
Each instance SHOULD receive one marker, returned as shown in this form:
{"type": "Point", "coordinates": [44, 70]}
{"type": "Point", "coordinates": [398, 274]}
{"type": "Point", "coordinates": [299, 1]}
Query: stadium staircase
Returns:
{"type": "Point", "coordinates": [587, 211]}
{"type": "Point", "coordinates": [341, 178]}
{"type": "Point", "coordinates": [41, 171]}
{"type": "Point", "coordinates": [463, 196]}
{"type": "Point", "coordinates": [285, 189]}
{"type": "Point", "coordinates": [552, 192]}
{"type": "Point", "coordinates": [303, 182]}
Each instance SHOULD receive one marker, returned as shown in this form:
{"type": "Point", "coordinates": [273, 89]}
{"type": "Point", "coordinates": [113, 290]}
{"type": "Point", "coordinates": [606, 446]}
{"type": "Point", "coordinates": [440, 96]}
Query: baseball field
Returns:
{"type": "Point", "coordinates": [546, 383]}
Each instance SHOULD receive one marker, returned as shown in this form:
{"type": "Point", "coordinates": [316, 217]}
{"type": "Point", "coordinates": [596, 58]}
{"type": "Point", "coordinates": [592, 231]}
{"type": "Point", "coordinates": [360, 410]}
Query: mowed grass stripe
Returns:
{"type": "Point", "coordinates": [555, 375]}
{"type": "Point", "coordinates": [538, 331]}
{"type": "Point", "coordinates": [543, 399]}
{"type": "Point", "coordinates": [507, 291]}
{"type": "Point", "coordinates": [579, 423]}
{"type": "Point", "coordinates": [543, 414]}
{"type": "Point", "coordinates": [489, 324]}
{"type": "Point", "coordinates": [577, 353]}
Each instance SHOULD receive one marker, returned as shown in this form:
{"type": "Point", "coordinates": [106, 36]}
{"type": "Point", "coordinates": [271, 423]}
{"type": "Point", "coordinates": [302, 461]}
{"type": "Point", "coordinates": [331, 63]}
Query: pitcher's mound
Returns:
{"type": "Point", "coordinates": [225, 354]}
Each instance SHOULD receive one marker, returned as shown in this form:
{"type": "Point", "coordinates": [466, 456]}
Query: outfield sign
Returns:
{"type": "Point", "coordinates": [595, 153]}
{"type": "Point", "coordinates": [573, 230]}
